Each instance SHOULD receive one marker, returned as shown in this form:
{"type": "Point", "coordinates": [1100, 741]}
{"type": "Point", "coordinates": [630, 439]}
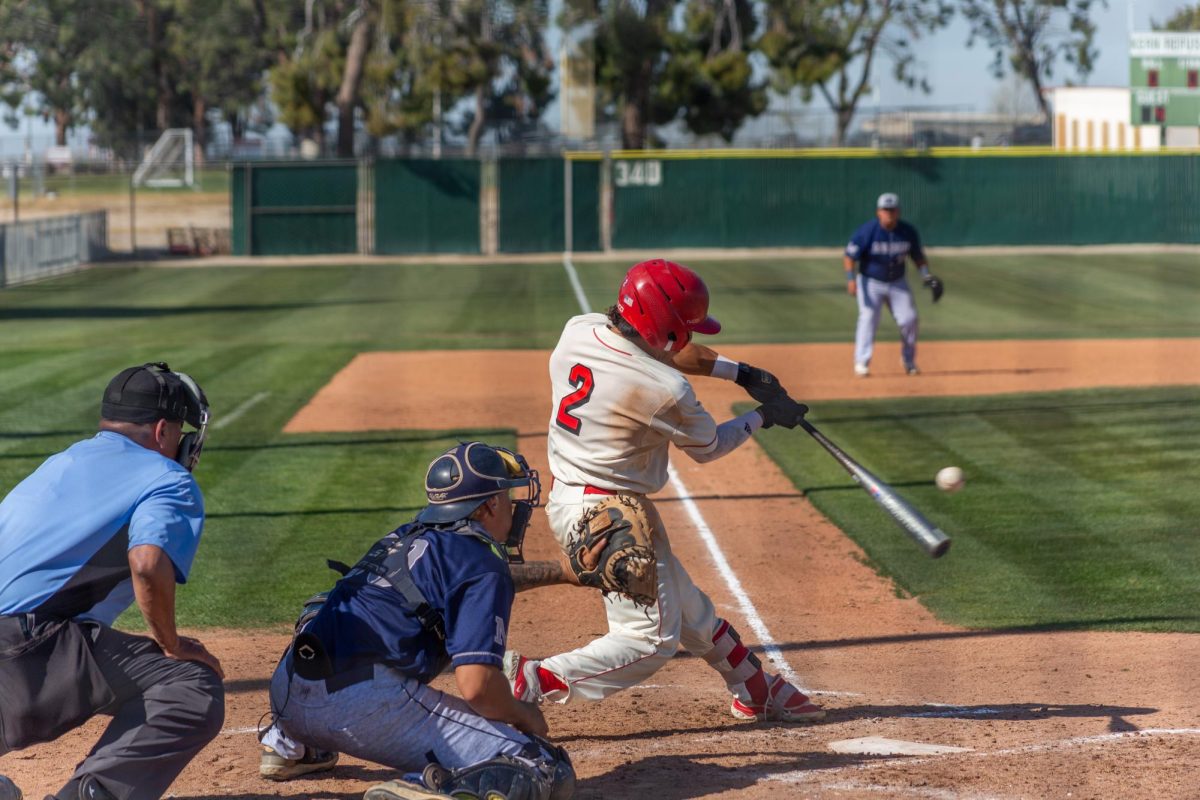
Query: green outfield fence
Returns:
{"type": "Point", "coordinates": [722, 198]}
{"type": "Point", "coordinates": [294, 208]}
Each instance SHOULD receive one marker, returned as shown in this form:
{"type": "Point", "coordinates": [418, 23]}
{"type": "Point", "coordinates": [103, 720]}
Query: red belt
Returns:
{"type": "Point", "coordinates": [589, 489]}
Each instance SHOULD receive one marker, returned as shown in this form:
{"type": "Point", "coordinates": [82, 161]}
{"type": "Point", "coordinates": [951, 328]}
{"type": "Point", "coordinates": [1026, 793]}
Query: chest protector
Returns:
{"type": "Point", "coordinates": [387, 563]}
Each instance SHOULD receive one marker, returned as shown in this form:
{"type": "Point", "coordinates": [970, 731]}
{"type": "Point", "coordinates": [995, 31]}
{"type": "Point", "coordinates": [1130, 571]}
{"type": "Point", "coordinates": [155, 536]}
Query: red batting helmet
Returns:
{"type": "Point", "coordinates": [665, 302]}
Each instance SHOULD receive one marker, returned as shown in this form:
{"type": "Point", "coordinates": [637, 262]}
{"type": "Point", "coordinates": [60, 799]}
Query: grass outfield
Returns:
{"type": "Point", "coordinates": [1079, 508]}
{"type": "Point", "coordinates": [266, 339]}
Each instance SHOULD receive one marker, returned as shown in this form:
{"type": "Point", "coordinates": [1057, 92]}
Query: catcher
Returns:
{"type": "Point", "coordinates": [432, 594]}
{"type": "Point", "coordinates": [621, 399]}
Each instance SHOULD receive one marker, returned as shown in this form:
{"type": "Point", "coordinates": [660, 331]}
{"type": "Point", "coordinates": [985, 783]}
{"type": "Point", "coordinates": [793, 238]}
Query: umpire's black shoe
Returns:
{"type": "Point", "coordinates": [8, 789]}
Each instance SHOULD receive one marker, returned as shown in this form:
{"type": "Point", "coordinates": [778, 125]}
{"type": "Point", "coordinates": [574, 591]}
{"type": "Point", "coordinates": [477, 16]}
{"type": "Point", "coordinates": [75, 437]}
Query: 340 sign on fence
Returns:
{"type": "Point", "coordinates": [637, 173]}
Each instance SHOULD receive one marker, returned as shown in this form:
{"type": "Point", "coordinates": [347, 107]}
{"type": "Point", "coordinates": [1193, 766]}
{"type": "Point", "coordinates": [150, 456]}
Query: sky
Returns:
{"type": "Point", "coordinates": [962, 77]}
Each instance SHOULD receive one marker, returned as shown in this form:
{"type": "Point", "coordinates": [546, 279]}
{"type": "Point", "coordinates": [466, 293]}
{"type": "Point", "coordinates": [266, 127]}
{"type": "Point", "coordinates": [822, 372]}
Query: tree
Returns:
{"type": "Point", "coordinates": [832, 45]}
{"type": "Point", "coordinates": [1033, 34]}
{"type": "Point", "coordinates": [1187, 18]}
{"type": "Point", "coordinates": [311, 63]}
{"type": "Point", "coordinates": [630, 43]}
{"type": "Point", "coordinates": [41, 43]}
{"type": "Point", "coordinates": [708, 80]}
{"type": "Point", "coordinates": [216, 54]}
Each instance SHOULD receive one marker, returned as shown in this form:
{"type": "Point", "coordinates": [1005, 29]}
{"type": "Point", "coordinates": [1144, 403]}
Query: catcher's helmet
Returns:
{"type": "Point", "coordinates": [462, 478]}
{"type": "Point", "coordinates": [665, 302]}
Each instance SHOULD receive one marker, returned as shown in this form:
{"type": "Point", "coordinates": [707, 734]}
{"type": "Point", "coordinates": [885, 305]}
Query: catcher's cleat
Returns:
{"type": "Point", "coordinates": [8, 789]}
{"type": "Point", "coordinates": [275, 767]}
{"type": "Point", "coordinates": [530, 683]}
{"type": "Point", "coordinates": [785, 703]}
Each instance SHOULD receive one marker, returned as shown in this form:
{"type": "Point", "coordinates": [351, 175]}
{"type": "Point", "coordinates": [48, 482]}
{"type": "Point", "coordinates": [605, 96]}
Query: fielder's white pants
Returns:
{"type": "Point", "coordinates": [640, 640]}
{"type": "Point", "coordinates": [872, 296]}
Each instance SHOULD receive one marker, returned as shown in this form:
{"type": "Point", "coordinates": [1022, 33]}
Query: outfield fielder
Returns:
{"type": "Point", "coordinates": [620, 400]}
{"type": "Point", "coordinates": [878, 249]}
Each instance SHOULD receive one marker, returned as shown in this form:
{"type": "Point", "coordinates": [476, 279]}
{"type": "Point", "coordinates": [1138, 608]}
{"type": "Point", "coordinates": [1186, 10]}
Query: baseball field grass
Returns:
{"type": "Point", "coordinates": [1078, 509]}
{"type": "Point", "coordinates": [1063, 504]}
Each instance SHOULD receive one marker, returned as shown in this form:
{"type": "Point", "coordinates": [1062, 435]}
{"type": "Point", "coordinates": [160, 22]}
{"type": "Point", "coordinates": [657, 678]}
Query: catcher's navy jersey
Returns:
{"type": "Point", "coordinates": [880, 253]}
{"type": "Point", "coordinates": [65, 531]}
{"type": "Point", "coordinates": [461, 575]}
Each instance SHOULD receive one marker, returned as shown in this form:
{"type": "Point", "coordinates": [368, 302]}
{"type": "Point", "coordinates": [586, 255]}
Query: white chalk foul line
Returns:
{"type": "Point", "coordinates": [799, 776]}
{"type": "Point", "coordinates": [745, 605]}
{"type": "Point", "coordinates": [573, 277]}
{"type": "Point", "coordinates": [236, 731]}
{"type": "Point", "coordinates": [240, 410]}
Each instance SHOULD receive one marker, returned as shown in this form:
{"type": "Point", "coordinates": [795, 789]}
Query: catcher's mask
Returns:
{"type": "Point", "coordinates": [665, 302]}
{"type": "Point", "coordinates": [152, 392]}
{"type": "Point", "coordinates": [463, 478]}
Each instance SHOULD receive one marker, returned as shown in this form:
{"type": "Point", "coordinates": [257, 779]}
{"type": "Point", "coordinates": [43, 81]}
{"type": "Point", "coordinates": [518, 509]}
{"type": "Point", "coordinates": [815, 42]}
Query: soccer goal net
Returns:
{"type": "Point", "coordinates": [170, 162]}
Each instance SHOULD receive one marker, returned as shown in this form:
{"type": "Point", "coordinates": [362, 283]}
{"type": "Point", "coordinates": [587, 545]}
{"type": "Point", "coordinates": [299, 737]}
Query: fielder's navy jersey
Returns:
{"type": "Point", "coordinates": [65, 531]}
{"type": "Point", "coordinates": [880, 253]}
{"type": "Point", "coordinates": [464, 577]}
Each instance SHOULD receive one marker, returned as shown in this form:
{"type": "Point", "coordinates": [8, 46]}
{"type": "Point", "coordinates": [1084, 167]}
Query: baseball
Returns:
{"type": "Point", "coordinates": [949, 479]}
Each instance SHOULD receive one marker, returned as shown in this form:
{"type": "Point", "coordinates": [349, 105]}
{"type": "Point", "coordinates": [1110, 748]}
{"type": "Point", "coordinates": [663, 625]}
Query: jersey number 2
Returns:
{"type": "Point", "coordinates": [581, 379]}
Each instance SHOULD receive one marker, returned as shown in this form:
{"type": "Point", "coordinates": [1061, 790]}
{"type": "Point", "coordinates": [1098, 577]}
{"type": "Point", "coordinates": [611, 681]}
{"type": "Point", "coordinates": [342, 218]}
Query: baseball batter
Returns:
{"type": "Point", "coordinates": [620, 400]}
{"type": "Point", "coordinates": [874, 263]}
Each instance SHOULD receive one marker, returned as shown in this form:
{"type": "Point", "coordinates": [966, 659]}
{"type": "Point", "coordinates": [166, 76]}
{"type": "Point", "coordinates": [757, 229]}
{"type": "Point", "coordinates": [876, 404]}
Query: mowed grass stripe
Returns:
{"type": "Point", "coordinates": [281, 504]}
{"type": "Point", "coordinates": [1079, 510]}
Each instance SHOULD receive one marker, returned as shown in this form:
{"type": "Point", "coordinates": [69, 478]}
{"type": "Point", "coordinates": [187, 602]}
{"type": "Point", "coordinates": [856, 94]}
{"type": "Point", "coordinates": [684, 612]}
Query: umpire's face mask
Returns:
{"type": "Point", "coordinates": [197, 416]}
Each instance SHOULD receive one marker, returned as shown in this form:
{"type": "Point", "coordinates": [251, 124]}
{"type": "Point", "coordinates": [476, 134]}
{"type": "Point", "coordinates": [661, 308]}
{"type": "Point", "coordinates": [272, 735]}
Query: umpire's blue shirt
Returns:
{"type": "Point", "coordinates": [65, 531]}
{"type": "Point", "coordinates": [880, 253]}
{"type": "Point", "coordinates": [462, 575]}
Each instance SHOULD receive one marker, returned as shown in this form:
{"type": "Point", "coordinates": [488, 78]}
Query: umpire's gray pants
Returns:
{"type": "Point", "coordinates": [166, 711]}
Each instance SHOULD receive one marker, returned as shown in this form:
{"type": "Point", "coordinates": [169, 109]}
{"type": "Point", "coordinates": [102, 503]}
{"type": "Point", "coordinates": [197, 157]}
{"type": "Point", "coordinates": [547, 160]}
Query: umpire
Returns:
{"type": "Point", "coordinates": [432, 594]}
{"type": "Point", "coordinates": [111, 520]}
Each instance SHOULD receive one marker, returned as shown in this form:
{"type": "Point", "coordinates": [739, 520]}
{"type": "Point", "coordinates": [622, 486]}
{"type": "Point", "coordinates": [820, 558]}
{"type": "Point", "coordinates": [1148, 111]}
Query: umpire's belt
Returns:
{"type": "Point", "coordinates": [27, 622]}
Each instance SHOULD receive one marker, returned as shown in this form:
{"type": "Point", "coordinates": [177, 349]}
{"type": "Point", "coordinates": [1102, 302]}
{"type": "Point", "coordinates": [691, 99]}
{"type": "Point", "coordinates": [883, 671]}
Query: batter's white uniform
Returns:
{"type": "Point", "coordinates": [616, 411]}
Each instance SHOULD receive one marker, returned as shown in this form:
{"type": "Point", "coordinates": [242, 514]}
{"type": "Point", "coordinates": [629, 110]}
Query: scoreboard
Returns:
{"type": "Point", "coordinates": [1164, 79]}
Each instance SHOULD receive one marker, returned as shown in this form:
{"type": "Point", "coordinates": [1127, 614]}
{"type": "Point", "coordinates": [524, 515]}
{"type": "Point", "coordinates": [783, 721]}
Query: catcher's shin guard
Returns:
{"type": "Point", "coordinates": [511, 778]}
{"type": "Point", "coordinates": [756, 695]}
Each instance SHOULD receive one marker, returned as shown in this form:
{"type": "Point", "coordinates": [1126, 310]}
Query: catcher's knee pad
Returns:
{"type": "Point", "coordinates": [740, 668]}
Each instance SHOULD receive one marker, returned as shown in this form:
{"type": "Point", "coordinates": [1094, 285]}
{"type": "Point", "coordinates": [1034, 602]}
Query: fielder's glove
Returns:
{"type": "Point", "coordinates": [784, 411]}
{"type": "Point", "coordinates": [761, 385]}
{"type": "Point", "coordinates": [627, 564]}
{"type": "Point", "coordinates": [935, 285]}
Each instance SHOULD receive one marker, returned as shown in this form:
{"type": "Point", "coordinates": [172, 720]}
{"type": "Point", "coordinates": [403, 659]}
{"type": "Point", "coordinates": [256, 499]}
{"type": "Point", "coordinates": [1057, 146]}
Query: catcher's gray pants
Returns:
{"type": "Point", "coordinates": [872, 296]}
{"type": "Point", "coordinates": [166, 711]}
{"type": "Point", "coordinates": [389, 719]}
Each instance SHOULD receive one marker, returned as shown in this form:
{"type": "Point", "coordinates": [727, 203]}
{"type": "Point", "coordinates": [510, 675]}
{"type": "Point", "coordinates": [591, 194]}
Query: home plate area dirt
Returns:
{"type": "Point", "coordinates": [917, 709]}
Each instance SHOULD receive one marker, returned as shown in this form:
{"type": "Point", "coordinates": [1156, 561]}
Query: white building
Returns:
{"type": "Point", "coordinates": [1097, 118]}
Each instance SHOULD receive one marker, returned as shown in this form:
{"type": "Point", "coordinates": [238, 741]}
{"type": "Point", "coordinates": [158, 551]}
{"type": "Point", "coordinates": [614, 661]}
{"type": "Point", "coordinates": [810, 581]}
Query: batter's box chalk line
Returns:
{"type": "Point", "coordinates": [809, 775]}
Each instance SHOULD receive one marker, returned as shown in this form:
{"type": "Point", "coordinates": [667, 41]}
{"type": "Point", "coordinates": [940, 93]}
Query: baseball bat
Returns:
{"type": "Point", "coordinates": [931, 539]}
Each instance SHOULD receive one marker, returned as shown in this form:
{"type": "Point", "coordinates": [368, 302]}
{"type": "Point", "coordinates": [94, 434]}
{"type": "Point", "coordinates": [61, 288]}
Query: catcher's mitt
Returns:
{"type": "Point", "coordinates": [627, 564]}
{"type": "Point", "coordinates": [936, 286]}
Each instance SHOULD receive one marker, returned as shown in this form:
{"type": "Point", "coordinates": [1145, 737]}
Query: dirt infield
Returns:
{"type": "Point", "coordinates": [1040, 714]}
